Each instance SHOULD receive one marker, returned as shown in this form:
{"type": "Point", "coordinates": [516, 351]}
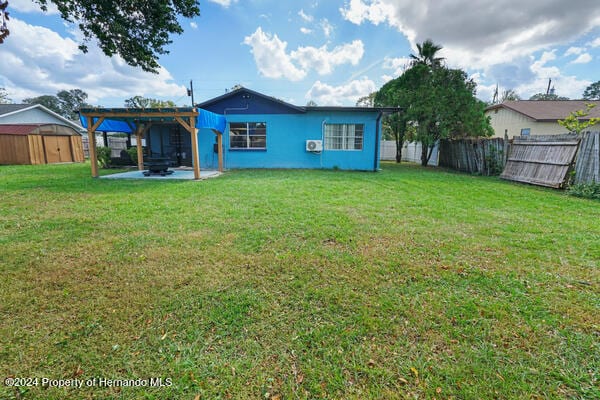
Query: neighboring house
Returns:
{"type": "Point", "coordinates": [32, 134]}
{"type": "Point", "coordinates": [264, 132]}
{"type": "Point", "coordinates": [15, 114]}
{"type": "Point", "coordinates": [534, 117]}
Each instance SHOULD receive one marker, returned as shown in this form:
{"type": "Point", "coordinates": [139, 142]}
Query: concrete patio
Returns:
{"type": "Point", "coordinates": [184, 174]}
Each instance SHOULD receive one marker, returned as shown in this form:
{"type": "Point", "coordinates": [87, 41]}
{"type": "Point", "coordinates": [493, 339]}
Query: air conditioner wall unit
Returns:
{"type": "Point", "coordinates": [314, 145]}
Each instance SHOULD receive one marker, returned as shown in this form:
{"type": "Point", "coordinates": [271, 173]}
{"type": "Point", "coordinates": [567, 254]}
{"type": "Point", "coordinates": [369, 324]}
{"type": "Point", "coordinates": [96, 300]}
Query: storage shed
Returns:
{"type": "Point", "coordinates": [39, 144]}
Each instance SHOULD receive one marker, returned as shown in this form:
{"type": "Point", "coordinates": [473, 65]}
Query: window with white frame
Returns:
{"type": "Point", "coordinates": [248, 135]}
{"type": "Point", "coordinates": [344, 136]}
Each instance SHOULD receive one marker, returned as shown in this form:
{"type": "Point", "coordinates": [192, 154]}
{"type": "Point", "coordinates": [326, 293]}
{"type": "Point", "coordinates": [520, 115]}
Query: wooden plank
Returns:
{"type": "Point", "coordinates": [92, 147]}
{"type": "Point", "coordinates": [36, 150]}
{"type": "Point", "coordinates": [195, 155]}
{"type": "Point", "coordinates": [220, 150]}
{"type": "Point", "coordinates": [140, 153]}
{"type": "Point", "coordinates": [532, 143]}
{"type": "Point", "coordinates": [77, 147]}
{"type": "Point", "coordinates": [544, 162]}
{"type": "Point", "coordinates": [139, 116]}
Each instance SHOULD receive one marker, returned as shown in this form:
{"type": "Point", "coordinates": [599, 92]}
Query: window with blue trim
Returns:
{"type": "Point", "coordinates": [248, 135]}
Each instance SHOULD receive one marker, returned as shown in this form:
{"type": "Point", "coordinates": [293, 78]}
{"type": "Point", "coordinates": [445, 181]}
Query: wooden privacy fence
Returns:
{"type": "Point", "coordinates": [473, 155]}
{"type": "Point", "coordinates": [587, 166]}
{"type": "Point", "coordinates": [541, 160]}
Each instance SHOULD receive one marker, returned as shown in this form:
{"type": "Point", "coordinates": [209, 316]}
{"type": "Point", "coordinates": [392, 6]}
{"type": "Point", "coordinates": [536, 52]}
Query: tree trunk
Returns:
{"type": "Point", "coordinates": [424, 158]}
{"type": "Point", "coordinates": [399, 145]}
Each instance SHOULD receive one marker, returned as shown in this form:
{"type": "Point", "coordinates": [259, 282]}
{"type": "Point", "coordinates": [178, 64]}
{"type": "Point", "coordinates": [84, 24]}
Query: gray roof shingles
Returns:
{"type": "Point", "coordinates": [549, 110]}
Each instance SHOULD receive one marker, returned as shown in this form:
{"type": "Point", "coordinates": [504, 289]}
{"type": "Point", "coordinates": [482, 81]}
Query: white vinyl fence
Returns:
{"type": "Point", "coordinates": [411, 152]}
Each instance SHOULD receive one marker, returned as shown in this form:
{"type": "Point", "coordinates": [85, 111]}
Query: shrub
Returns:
{"type": "Point", "coordinates": [103, 156]}
{"type": "Point", "coordinates": [133, 154]}
{"type": "Point", "coordinates": [585, 190]}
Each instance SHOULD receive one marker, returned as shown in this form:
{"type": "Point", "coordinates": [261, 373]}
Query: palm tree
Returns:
{"type": "Point", "coordinates": [427, 52]}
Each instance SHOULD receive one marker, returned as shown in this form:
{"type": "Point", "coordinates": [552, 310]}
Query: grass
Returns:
{"type": "Point", "coordinates": [407, 283]}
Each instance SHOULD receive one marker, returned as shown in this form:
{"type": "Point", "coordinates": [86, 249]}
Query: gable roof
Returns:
{"type": "Point", "coordinates": [11, 109]}
{"type": "Point", "coordinates": [244, 91]}
{"type": "Point", "coordinates": [548, 110]}
{"type": "Point", "coordinates": [278, 105]}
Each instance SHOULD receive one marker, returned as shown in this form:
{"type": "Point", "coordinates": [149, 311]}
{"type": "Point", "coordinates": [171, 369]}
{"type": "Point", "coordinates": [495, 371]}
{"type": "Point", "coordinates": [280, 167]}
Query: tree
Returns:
{"type": "Point", "coordinates": [66, 102]}
{"type": "Point", "coordinates": [592, 92]}
{"type": "Point", "coordinates": [311, 103]}
{"type": "Point", "coordinates": [366, 101]}
{"type": "Point", "coordinates": [439, 103]}
{"type": "Point", "coordinates": [509, 95]}
{"type": "Point", "coordinates": [136, 30]}
{"type": "Point", "coordinates": [395, 125]}
{"type": "Point", "coordinates": [547, 96]}
{"type": "Point", "coordinates": [71, 101]}
{"type": "Point", "coordinates": [577, 122]}
{"type": "Point", "coordinates": [145, 102]}
{"type": "Point", "coordinates": [4, 32]}
{"type": "Point", "coordinates": [427, 54]}
{"type": "Point", "coordinates": [4, 97]}
{"type": "Point", "coordinates": [50, 102]}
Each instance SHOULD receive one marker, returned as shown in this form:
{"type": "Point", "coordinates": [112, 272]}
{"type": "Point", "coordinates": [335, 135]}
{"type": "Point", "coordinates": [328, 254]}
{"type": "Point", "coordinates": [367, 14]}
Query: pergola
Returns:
{"type": "Point", "coordinates": [139, 121]}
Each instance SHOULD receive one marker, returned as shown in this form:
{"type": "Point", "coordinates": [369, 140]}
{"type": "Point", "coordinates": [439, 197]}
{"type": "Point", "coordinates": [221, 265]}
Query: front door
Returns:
{"type": "Point", "coordinates": [58, 149]}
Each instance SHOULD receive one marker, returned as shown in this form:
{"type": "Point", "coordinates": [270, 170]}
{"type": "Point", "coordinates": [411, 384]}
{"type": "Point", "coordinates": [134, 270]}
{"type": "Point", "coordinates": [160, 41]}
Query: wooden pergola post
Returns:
{"type": "Point", "coordinates": [219, 148]}
{"type": "Point", "coordinates": [196, 156]}
{"type": "Point", "coordinates": [140, 154]}
{"type": "Point", "coordinates": [91, 128]}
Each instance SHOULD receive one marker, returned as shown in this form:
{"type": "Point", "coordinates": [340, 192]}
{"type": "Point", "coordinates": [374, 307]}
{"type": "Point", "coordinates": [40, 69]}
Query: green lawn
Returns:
{"type": "Point", "coordinates": [407, 283]}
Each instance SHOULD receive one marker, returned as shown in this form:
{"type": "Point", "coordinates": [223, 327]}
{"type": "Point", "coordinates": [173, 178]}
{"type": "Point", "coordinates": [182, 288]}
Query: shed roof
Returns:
{"type": "Point", "coordinates": [37, 129]}
{"type": "Point", "coordinates": [548, 110]}
{"type": "Point", "coordinates": [12, 129]}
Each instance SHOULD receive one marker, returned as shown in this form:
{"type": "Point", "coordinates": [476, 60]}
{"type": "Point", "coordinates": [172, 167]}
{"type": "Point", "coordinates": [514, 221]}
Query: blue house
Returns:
{"type": "Point", "coordinates": [264, 132]}
{"type": "Point", "coordinates": [246, 129]}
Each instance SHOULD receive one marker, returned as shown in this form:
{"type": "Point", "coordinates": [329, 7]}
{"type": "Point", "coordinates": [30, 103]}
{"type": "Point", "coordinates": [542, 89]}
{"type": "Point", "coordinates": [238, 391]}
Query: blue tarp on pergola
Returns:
{"type": "Point", "coordinates": [205, 119]}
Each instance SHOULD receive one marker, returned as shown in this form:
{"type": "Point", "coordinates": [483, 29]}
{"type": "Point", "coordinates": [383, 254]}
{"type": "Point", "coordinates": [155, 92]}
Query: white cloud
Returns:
{"type": "Point", "coordinates": [224, 3]}
{"type": "Point", "coordinates": [326, 27]}
{"type": "Point", "coordinates": [478, 33]}
{"type": "Point", "coordinates": [582, 59]}
{"type": "Point", "coordinates": [273, 61]}
{"type": "Point", "coordinates": [193, 25]}
{"type": "Point", "coordinates": [306, 31]}
{"type": "Point", "coordinates": [305, 17]}
{"type": "Point", "coordinates": [271, 58]}
{"type": "Point", "coordinates": [568, 86]}
{"type": "Point", "coordinates": [325, 94]}
{"type": "Point", "coordinates": [37, 61]}
{"type": "Point", "coordinates": [28, 6]}
{"type": "Point", "coordinates": [397, 64]}
{"type": "Point", "coordinates": [574, 51]}
{"type": "Point", "coordinates": [324, 61]}
{"type": "Point", "coordinates": [595, 42]}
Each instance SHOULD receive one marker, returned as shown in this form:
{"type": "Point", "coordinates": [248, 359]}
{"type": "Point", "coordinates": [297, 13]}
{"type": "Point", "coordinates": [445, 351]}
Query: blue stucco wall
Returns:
{"type": "Point", "coordinates": [286, 142]}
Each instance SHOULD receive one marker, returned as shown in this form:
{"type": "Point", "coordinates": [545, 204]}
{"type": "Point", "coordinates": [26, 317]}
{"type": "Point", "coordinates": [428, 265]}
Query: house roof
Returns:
{"type": "Point", "coordinates": [240, 90]}
{"type": "Point", "coordinates": [292, 108]}
{"type": "Point", "coordinates": [11, 109]}
{"type": "Point", "coordinates": [548, 110]}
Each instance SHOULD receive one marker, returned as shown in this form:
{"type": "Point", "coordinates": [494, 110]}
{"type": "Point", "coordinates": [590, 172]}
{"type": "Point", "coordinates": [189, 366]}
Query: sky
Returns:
{"type": "Point", "coordinates": [330, 52]}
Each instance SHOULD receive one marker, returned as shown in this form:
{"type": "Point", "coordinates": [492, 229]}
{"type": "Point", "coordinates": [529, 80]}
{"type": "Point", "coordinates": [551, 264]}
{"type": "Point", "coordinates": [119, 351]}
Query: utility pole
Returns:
{"type": "Point", "coordinates": [190, 92]}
